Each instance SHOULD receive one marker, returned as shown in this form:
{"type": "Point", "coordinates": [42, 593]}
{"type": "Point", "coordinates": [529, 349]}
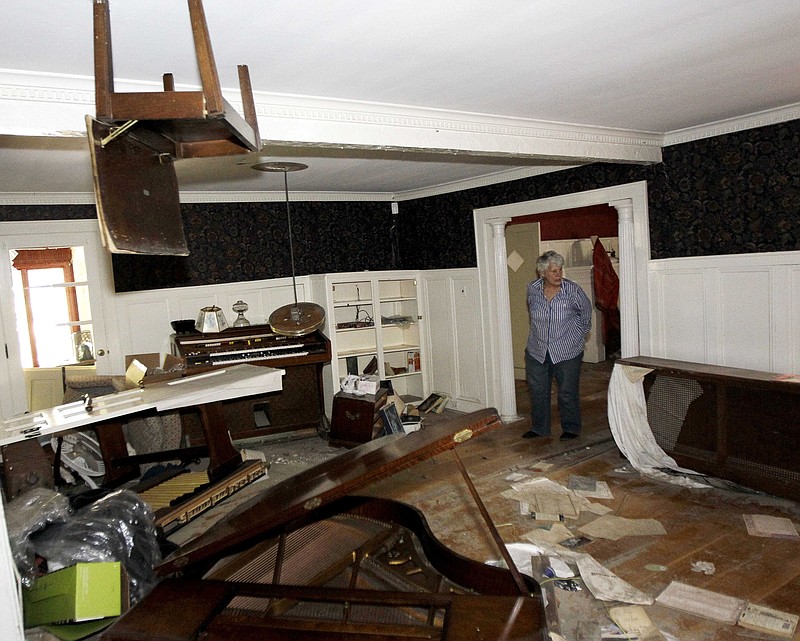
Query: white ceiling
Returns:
{"type": "Point", "coordinates": [499, 89]}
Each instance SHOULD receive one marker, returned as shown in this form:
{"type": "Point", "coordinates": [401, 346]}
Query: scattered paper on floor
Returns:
{"type": "Point", "coordinates": [703, 603]}
{"type": "Point", "coordinates": [614, 527]}
{"type": "Point", "coordinates": [514, 477]}
{"type": "Point", "coordinates": [549, 501]}
{"type": "Point", "coordinates": [632, 619]}
{"type": "Point", "coordinates": [601, 582]}
{"type": "Point", "coordinates": [706, 567]}
{"type": "Point", "coordinates": [607, 586]}
{"type": "Point", "coordinates": [756, 617]}
{"type": "Point", "coordinates": [589, 488]}
{"type": "Point", "coordinates": [553, 535]}
{"type": "Point", "coordinates": [600, 491]}
{"type": "Point", "coordinates": [777, 527]}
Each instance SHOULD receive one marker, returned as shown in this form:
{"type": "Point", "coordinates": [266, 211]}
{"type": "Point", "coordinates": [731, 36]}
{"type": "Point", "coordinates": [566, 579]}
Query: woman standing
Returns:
{"type": "Point", "coordinates": [561, 317]}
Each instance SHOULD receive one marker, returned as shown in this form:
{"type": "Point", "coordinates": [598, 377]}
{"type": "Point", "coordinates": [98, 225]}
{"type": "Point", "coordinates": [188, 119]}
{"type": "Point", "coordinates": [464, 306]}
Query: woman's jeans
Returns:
{"type": "Point", "coordinates": [540, 380]}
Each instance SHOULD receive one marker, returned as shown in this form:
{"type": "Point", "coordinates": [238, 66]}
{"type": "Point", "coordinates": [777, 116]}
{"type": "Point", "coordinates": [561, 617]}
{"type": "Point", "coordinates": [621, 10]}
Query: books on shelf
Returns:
{"type": "Point", "coordinates": [372, 366]}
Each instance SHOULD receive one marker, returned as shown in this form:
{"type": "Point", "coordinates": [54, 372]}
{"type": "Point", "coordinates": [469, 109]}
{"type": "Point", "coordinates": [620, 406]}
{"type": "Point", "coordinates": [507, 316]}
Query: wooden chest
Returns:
{"type": "Point", "coordinates": [355, 419]}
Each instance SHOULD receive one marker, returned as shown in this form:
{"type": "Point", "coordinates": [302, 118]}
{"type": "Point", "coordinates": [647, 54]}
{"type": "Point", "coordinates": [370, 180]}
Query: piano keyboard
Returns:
{"type": "Point", "coordinates": [235, 356]}
{"type": "Point", "coordinates": [181, 498]}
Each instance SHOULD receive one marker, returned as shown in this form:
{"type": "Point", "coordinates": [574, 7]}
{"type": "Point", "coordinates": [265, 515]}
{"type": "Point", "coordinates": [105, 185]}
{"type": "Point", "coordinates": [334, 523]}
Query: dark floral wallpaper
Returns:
{"type": "Point", "coordinates": [735, 193]}
{"type": "Point", "coordinates": [731, 194]}
{"type": "Point", "coordinates": [249, 241]}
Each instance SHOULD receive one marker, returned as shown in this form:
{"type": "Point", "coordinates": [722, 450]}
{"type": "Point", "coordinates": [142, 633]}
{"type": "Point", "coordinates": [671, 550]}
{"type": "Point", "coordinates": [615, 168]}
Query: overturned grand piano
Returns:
{"type": "Point", "coordinates": [308, 560]}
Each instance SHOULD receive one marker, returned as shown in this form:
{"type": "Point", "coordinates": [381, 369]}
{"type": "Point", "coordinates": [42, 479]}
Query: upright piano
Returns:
{"type": "Point", "coordinates": [299, 405]}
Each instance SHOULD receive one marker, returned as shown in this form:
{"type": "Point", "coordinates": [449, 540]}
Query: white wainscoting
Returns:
{"type": "Point", "coordinates": [739, 311]}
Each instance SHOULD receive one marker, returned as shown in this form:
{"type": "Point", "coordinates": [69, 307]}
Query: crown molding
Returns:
{"type": "Point", "coordinates": [47, 198]}
{"type": "Point", "coordinates": [302, 120]}
{"type": "Point", "coordinates": [481, 181]}
{"type": "Point", "coordinates": [733, 125]}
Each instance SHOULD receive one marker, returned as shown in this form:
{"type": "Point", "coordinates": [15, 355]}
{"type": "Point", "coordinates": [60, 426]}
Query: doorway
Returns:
{"type": "Point", "coordinates": [573, 234]}
{"type": "Point", "coordinates": [61, 277]}
{"type": "Point", "coordinates": [630, 200]}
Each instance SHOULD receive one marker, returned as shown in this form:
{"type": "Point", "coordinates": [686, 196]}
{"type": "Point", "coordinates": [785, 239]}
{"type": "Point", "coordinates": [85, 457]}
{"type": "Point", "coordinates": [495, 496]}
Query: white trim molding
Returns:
{"type": "Point", "coordinates": [631, 202]}
{"type": "Point", "coordinates": [732, 125]}
{"type": "Point", "coordinates": [62, 101]}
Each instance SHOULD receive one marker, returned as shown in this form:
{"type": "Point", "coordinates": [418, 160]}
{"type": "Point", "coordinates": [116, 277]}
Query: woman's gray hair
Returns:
{"type": "Point", "coordinates": [543, 262]}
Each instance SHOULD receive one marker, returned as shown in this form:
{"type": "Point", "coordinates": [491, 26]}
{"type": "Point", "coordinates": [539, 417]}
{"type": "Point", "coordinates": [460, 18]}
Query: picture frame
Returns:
{"type": "Point", "coordinates": [391, 420]}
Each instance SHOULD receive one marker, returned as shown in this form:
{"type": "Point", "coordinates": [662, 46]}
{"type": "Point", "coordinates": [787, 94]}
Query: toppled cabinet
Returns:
{"type": "Point", "coordinates": [731, 423]}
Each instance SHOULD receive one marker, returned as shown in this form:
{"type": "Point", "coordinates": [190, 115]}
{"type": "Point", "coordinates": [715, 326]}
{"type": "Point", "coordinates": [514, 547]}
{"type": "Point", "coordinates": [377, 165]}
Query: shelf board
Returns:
{"type": "Point", "coordinates": [405, 347]}
{"type": "Point", "coordinates": [404, 374]}
{"type": "Point", "coordinates": [398, 324]}
{"type": "Point", "coordinates": [357, 352]}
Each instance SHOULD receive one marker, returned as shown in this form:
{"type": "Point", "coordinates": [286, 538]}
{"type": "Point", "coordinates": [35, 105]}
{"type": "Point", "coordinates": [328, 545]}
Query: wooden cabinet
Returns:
{"type": "Point", "coordinates": [355, 419]}
{"type": "Point", "coordinates": [732, 423]}
{"type": "Point", "coordinates": [375, 327]}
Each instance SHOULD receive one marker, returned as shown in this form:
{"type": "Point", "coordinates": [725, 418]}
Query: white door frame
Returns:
{"type": "Point", "coordinates": [58, 233]}
{"type": "Point", "coordinates": [630, 200]}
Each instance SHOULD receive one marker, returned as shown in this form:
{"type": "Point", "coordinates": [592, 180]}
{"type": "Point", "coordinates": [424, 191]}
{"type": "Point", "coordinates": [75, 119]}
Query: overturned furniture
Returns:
{"type": "Point", "coordinates": [307, 560]}
{"type": "Point", "coordinates": [731, 423]}
{"type": "Point", "coordinates": [226, 471]}
{"type": "Point", "coordinates": [136, 136]}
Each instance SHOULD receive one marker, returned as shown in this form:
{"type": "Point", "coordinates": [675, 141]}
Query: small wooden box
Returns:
{"type": "Point", "coordinates": [355, 419]}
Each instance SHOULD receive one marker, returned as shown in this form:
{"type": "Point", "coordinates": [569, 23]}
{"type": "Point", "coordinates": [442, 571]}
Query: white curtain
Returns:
{"type": "Point", "coordinates": [627, 417]}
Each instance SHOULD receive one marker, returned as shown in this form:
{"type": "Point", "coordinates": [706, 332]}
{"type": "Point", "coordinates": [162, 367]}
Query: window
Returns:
{"type": "Point", "coordinates": [51, 298]}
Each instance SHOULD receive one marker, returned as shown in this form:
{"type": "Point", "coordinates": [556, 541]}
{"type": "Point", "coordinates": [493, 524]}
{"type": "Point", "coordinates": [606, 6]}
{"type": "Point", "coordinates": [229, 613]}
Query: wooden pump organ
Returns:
{"type": "Point", "coordinates": [298, 405]}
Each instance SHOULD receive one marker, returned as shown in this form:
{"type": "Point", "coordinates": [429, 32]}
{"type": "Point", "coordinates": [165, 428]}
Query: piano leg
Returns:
{"type": "Point", "coordinates": [223, 457]}
{"type": "Point", "coordinates": [111, 439]}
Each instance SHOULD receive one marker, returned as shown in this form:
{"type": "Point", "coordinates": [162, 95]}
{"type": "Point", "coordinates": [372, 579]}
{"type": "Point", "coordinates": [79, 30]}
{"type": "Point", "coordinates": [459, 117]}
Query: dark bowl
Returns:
{"type": "Point", "coordinates": [185, 326]}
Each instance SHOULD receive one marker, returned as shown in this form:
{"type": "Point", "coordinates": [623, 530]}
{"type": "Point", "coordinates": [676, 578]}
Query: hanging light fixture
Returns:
{"type": "Point", "coordinates": [295, 319]}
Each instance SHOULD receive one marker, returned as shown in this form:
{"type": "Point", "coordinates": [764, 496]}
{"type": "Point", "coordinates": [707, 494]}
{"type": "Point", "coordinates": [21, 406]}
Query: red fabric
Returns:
{"type": "Point", "coordinates": [606, 289]}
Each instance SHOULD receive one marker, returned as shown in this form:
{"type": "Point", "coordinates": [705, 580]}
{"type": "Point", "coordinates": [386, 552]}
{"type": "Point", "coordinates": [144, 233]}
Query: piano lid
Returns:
{"type": "Point", "coordinates": [320, 485]}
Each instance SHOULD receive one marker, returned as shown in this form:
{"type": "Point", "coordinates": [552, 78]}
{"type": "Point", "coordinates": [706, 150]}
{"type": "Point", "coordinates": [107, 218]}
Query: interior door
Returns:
{"type": "Point", "coordinates": [31, 235]}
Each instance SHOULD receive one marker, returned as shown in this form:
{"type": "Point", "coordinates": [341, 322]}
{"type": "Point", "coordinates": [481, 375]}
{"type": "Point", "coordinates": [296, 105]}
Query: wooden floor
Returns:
{"type": "Point", "coordinates": [702, 525]}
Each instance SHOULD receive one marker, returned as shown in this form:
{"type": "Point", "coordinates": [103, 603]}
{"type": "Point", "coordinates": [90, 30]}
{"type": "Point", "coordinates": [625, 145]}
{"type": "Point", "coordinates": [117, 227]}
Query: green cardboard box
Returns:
{"type": "Point", "coordinates": [80, 592]}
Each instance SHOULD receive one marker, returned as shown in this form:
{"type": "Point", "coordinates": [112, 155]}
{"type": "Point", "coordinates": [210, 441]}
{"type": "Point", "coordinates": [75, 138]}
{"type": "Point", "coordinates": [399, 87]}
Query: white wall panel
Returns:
{"type": "Point", "coordinates": [737, 310]}
{"type": "Point", "coordinates": [451, 307]}
{"type": "Point", "coordinates": [438, 315]}
{"type": "Point", "coordinates": [469, 363]}
{"type": "Point", "coordinates": [146, 327]}
{"type": "Point", "coordinates": [681, 325]}
{"type": "Point", "coordinates": [791, 345]}
{"type": "Point", "coordinates": [744, 320]}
